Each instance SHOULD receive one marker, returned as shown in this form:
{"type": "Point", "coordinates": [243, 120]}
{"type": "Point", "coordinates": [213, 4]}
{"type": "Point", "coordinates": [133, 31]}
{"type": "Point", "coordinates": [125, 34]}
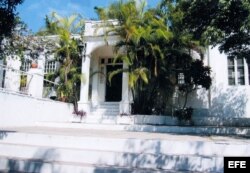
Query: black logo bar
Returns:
{"type": "Point", "coordinates": [237, 164]}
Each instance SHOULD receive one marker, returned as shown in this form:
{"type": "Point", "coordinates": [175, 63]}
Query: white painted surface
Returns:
{"type": "Point", "coordinates": [98, 47]}
{"type": "Point", "coordinates": [1, 73]}
{"type": "Point", "coordinates": [19, 110]}
{"type": "Point", "coordinates": [170, 144]}
{"type": "Point", "coordinates": [12, 77]}
{"type": "Point", "coordinates": [125, 103]}
{"type": "Point", "coordinates": [41, 60]}
{"type": "Point", "coordinates": [222, 100]}
{"type": "Point", "coordinates": [81, 147]}
{"type": "Point", "coordinates": [127, 160]}
{"type": "Point", "coordinates": [85, 84]}
{"type": "Point", "coordinates": [94, 77]}
{"type": "Point", "coordinates": [99, 86]}
{"type": "Point", "coordinates": [35, 82]}
{"type": "Point", "coordinates": [226, 100]}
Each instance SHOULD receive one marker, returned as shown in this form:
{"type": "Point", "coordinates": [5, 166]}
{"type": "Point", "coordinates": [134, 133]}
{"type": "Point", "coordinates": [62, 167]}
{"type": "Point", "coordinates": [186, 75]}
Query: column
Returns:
{"type": "Point", "coordinates": [125, 103]}
{"type": "Point", "coordinates": [95, 86]}
{"type": "Point", "coordinates": [41, 60]}
{"type": "Point", "coordinates": [84, 103]}
{"type": "Point", "coordinates": [35, 82]}
{"type": "Point", "coordinates": [13, 75]}
{"type": "Point", "coordinates": [1, 73]}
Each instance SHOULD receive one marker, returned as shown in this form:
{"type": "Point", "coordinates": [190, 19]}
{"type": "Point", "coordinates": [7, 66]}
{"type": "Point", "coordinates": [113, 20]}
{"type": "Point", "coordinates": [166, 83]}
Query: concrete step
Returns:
{"type": "Point", "coordinates": [49, 148]}
{"type": "Point", "coordinates": [99, 123]}
{"type": "Point", "coordinates": [115, 106]}
{"type": "Point", "coordinates": [21, 165]}
{"type": "Point", "coordinates": [110, 158]}
{"type": "Point", "coordinates": [127, 142]}
{"type": "Point", "coordinates": [104, 113]}
{"type": "Point", "coordinates": [101, 110]}
{"type": "Point", "coordinates": [98, 118]}
{"type": "Point", "coordinates": [105, 109]}
{"type": "Point", "coordinates": [110, 105]}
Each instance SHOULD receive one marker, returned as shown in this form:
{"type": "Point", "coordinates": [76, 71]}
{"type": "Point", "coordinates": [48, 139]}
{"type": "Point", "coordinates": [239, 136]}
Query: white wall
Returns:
{"type": "Point", "coordinates": [1, 73]}
{"type": "Point", "coordinates": [98, 87]}
{"type": "Point", "coordinates": [199, 99]}
{"type": "Point", "coordinates": [12, 78]}
{"type": "Point", "coordinates": [226, 101]}
{"type": "Point", "coordinates": [19, 110]}
{"type": "Point", "coordinates": [223, 100]}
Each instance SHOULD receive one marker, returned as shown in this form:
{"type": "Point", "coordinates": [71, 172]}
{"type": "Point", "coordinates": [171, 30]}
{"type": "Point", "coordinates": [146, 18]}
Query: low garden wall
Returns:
{"type": "Point", "coordinates": [18, 110]}
{"type": "Point", "coordinates": [196, 120]}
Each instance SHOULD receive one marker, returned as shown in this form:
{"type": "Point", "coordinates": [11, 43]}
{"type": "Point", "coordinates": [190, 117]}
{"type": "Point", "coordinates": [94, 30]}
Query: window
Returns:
{"type": "Point", "coordinates": [240, 71]}
{"type": "Point", "coordinates": [248, 70]}
{"type": "Point", "coordinates": [231, 71]}
{"type": "Point", "coordinates": [181, 78]}
{"type": "Point", "coordinates": [102, 61]}
{"type": "Point", "coordinates": [26, 65]}
{"type": "Point", "coordinates": [110, 60]}
{"type": "Point", "coordinates": [236, 71]}
{"type": "Point", "coordinates": [50, 67]}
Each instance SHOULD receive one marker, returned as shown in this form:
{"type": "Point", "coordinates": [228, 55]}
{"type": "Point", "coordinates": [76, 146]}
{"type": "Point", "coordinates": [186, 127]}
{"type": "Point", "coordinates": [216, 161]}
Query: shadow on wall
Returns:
{"type": "Point", "coordinates": [155, 156]}
{"type": "Point", "coordinates": [40, 162]}
{"type": "Point", "coordinates": [198, 99]}
{"type": "Point", "coordinates": [229, 102]}
{"type": "Point", "coordinates": [3, 134]}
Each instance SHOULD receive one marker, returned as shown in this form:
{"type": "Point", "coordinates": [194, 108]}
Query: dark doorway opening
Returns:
{"type": "Point", "coordinates": [114, 88]}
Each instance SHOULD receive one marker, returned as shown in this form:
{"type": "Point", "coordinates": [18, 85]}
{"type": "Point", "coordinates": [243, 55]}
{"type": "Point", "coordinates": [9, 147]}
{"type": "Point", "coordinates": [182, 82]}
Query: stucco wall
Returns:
{"type": "Point", "coordinates": [18, 110]}
{"type": "Point", "coordinates": [226, 101]}
{"type": "Point", "coordinates": [222, 100]}
{"type": "Point", "coordinates": [1, 73]}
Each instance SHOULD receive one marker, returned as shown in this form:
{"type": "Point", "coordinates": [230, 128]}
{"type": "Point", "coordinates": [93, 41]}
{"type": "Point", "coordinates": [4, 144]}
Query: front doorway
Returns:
{"type": "Point", "coordinates": [113, 88]}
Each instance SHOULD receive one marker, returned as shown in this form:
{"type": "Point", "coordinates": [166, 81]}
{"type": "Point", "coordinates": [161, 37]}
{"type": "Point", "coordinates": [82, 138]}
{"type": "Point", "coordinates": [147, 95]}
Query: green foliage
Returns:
{"type": "Point", "coordinates": [154, 46]}
{"type": "Point", "coordinates": [62, 26]}
{"type": "Point", "coordinates": [220, 22]}
{"type": "Point", "coordinates": [140, 32]}
{"type": "Point", "coordinates": [184, 114]}
{"type": "Point", "coordinates": [22, 42]}
{"type": "Point", "coordinates": [8, 19]}
{"type": "Point", "coordinates": [68, 54]}
{"type": "Point", "coordinates": [23, 81]}
{"type": "Point", "coordinates": [196, 75]}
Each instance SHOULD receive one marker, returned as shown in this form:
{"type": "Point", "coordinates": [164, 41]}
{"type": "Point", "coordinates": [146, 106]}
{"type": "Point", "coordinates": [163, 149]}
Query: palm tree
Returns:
{"type": "Point", "coordinates": [140, 32]}
{"type": "Point", "coordinates": [68, 53]}
{"type": "Point", "coordinates": [156, 46]}
{"type": "Point", "coordinates": [180, 49]}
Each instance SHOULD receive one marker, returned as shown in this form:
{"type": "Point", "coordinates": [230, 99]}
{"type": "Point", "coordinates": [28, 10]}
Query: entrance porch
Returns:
{"type": "Point", "coordinates": [99, 96]}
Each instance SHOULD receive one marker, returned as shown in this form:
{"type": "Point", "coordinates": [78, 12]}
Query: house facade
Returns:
{"type": "Point", "coordinates": [227, 97]}
{"type": "Point", "coordinates": [97, 62]}
{"type": "Point", "coordinates": [226, 100]}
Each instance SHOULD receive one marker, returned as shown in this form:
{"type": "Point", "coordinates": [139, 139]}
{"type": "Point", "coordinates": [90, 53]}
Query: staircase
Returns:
{"type": "Point", "coordinates": [106, 109]}
{"type": "Point", "coordinates": [105, 113]}
{"type": "Point", "coordinates": [41, 149]}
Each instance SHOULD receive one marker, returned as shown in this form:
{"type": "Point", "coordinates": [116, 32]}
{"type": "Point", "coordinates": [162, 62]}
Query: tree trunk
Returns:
{"type": "Point", "coordinates": [186, 98]}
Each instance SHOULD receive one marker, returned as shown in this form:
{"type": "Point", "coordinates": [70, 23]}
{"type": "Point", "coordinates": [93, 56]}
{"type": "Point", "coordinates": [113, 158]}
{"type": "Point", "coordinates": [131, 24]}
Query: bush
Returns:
{"type": "Point", "coordinates": [184, 114]}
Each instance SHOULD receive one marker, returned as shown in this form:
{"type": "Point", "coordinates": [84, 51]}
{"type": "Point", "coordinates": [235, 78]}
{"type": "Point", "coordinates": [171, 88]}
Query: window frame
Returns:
{"type": "Point", "coordinates": [246, 69]}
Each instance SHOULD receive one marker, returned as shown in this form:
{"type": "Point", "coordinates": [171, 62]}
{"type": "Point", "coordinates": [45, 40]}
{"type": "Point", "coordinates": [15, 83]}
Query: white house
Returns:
{"type": "Point", "coordinates": [226, 101]}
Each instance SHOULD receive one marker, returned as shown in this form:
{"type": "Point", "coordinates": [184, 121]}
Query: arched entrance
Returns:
{"type": "Point", "coordinates": [113, 90]}
{"type": "Point", "coordinates": [102, 65]}
{"type": "Point", "coordinates": [96, 90]}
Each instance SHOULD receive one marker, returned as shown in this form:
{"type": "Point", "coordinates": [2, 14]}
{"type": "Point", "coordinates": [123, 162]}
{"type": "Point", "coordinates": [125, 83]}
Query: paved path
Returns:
{"type": "Point", "coordinates": [123, 134]}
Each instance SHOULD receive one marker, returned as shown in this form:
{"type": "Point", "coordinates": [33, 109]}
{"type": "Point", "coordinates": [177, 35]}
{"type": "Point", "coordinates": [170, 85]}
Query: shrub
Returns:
{"type": "Point", "coordinates": [184, 114]}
